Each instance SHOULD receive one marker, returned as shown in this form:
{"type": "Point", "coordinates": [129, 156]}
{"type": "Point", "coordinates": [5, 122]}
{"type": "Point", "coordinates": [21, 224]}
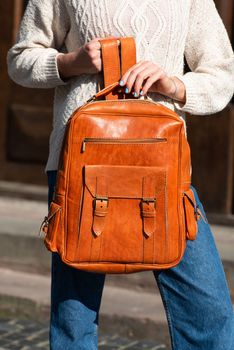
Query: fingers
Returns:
{"type": "Point", "coordinates": [95, 44]}
{"type": "Point", "coordinates": [147, 76]}
{"type": "Point", "coordinates": [125, 77]}
{"type": "Point", "coordinates": [129, 77]}
{"type": "Point", "coordinates": [92, 54]}
{"type": "Point", "coordinates": [154, 78]}
{"type": "Point", "coordinates": [137, 78]}
{"type": "Point", "coordinates": [140, 77]}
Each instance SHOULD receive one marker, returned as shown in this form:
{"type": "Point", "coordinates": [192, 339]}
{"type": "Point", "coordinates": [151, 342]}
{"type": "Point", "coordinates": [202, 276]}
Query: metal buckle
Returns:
{"type": "Point", "coordinates": [148, 200]}
{"type": "Point", "coordinates": [102, 199]}
{"type": "Point", "coordinates": [91, 99]}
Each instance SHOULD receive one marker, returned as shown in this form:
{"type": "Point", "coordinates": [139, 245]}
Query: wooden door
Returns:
{"type": "Point", "coordinates": [212, 145]}
{"type": "Point", "coordinates": [26, 114]}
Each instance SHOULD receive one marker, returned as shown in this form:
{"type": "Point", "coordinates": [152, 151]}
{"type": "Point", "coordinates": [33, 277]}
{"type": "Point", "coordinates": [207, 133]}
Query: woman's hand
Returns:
{"type": "Point", "coordinates": [85, 60]}
{"type": "Point", "coordinates": [147, 76]}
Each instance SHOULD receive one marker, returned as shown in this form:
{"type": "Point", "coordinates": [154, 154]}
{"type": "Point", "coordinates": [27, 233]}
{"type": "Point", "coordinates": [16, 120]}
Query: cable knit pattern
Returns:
{"type": "Point", "coordinates": [164, 30]}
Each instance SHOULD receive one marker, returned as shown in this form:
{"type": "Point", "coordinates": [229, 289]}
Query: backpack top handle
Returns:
{"type": "Point", "coordinates": [128, 53]}
{"type": "Point", "coordinates": [118, 55]}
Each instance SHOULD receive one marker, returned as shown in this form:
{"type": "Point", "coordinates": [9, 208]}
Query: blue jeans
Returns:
{"type": "Point", "coordinates": [194, 293]}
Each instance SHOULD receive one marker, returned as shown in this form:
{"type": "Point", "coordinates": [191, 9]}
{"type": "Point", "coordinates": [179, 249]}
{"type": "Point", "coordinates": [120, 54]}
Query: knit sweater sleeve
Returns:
{"type": "Point", "coordinates": [32, 60]}
{"type": "Point", "coordinates": [210, 84]}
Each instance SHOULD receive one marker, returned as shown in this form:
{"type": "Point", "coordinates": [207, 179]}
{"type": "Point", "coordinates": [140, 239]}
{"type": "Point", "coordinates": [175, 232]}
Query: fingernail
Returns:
{"type": "Point", "coordinates": [121, 83]}
{"type": "Point", "coordinates": [141, 92]}
{"type": "Point", "coordinates": [135, 94]}
{"type": "Point", "coordinates": [126, 90]}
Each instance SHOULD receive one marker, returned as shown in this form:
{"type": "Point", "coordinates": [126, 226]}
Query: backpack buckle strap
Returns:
{"type": "Point", "coordinates": [100, 206]}
{"type": "Point", "coordinates": [148, 206]}
{"type": "Point", "coordinates": [148, 214]}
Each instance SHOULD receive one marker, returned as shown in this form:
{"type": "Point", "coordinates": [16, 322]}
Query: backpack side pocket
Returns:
{"type": "Point", "coordinates": [51, 224]}
{"type": "Point", "coordinates": [191, 214]}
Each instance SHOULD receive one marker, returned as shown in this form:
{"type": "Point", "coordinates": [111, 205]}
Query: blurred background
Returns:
{"type": "Point", "coordinates": [25, 125]}
{"type": "Point", "coordinates": [26, 116]}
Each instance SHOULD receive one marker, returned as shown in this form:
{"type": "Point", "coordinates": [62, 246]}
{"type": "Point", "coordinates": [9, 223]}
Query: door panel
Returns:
{"type": "Point", "coordinates": [26, 114]}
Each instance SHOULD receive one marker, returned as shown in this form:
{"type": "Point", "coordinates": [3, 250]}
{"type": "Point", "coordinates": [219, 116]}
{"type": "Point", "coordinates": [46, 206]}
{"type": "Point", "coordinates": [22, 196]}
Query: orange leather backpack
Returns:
{"type": "Point", "coordinates": [122, 200]}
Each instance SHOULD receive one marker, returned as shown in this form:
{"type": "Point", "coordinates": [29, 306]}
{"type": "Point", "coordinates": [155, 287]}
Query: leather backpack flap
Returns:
{"type": "Point", "coordinates": [123, 215]}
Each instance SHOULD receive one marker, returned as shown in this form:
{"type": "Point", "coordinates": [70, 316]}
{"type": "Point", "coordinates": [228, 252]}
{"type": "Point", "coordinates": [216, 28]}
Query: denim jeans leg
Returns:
{"type": "Point", "coordinates": [196, 297]}
{"type": "Point", "coordinates": [75, 302]}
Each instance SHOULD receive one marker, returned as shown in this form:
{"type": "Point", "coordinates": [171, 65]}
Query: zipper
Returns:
{"type": "Point", "coordinates": [45, 223]}
{"type": "Point", "coordinates": [93, 100]}
{"type": "Point", "coordinates": [112, 141]}
{"type": "Point", "coordinates": [198, 214]}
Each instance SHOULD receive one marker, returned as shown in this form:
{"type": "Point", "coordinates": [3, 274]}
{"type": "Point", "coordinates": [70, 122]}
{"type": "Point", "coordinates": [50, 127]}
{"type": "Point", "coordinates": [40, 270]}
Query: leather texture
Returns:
{"type": "Point", "coordinates": [117, 56]}
{"type": "Point", "coordinates": [123, 201]}
{"type": "Point", "coordinates": [111, 64]}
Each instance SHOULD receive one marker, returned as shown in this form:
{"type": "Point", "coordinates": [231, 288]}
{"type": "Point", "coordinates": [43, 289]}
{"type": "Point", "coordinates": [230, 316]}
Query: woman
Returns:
{"type": "Point", "coordinates": [58, 47]}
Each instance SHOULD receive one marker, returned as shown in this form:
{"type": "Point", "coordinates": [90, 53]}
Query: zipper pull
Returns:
{"type": "Point", "coordinates": [198, 215]}
{"type": "Point", "coordinates": [91, 99]}
{"type": "Point", "coordinates": [44, 226]}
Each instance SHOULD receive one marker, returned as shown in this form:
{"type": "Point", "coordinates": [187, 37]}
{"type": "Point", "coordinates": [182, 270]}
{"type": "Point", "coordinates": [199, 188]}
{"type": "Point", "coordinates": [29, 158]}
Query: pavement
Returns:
{"type": "Point", "coordinates": [37, 289]}
{"type": "Point", "coordinates": [132, 315]}
{"type": "Point", "coordinates": [30, 335]}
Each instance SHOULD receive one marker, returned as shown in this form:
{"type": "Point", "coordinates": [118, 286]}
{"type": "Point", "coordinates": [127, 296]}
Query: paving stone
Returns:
{"type": "Point", "coordinates": [27, 335]}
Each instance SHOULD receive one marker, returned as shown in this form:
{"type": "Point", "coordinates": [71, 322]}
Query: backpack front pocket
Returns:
{"type": "Point", "coordinates": [124, 214]}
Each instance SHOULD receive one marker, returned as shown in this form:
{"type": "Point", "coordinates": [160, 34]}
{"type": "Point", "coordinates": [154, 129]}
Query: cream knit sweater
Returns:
{"type": "Point", "coordinates": [164, 30]}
